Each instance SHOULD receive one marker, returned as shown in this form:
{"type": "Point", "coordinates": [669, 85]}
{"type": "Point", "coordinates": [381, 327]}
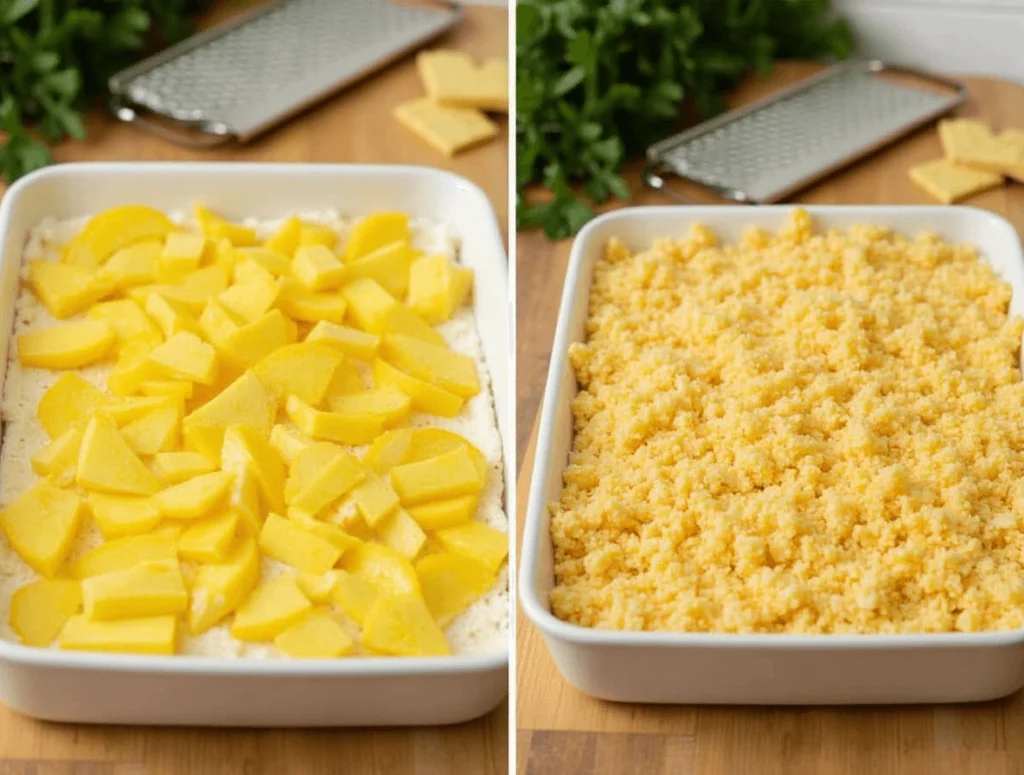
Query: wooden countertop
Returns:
{"type": "Point", "coordinates": [562, 730]}
{"type": "Point", "coordinates": [353, 126]}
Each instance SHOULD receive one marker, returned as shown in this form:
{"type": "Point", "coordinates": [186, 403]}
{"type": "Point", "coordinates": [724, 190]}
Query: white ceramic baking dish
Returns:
{"type": "Point", "coordinates": [83, 687]}
{"type": "Point", "coordinates": [750, 669]}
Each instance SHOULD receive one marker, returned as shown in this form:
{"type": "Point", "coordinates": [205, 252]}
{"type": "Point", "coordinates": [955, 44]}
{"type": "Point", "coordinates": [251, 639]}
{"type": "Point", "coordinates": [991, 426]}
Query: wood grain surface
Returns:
{"type": "Point", "coordinates": [353, 126]}
{"type": "Point", "coordinates": [561, 730]}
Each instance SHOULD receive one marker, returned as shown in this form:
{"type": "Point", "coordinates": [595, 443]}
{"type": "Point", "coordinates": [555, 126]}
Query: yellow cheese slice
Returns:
{"type": "Point", "coordinates": [950, 182]}
{"type": "Point", "coordinates": [449, 130]}
{"type": "Point", "coordinates": [453, 79]}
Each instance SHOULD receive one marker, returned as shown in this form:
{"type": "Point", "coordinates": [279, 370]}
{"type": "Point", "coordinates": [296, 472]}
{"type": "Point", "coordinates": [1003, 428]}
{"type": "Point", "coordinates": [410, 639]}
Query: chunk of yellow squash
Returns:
{"type": "Point", "coordinates": [445, 476]}
{"type": "Point", "coordinates": [329, 483]}
{"type": "Point", "coordinates": [246, 270]}
{"type": "Point", "coordinates": [216, 228]}
{"type": "Point", "coordinates": [286, 239]}
{"type": "Point", "coordinates": [175, 467]}
{"type": "Point", "coordinates": [401, 533]}
{"type": "Point", "coordinates": [477, 541]}
{"type": "Point", "coordinates": [41, 526]}
{"type": "Point", "coordinates": [451, 583]}
{"type": "Point", "coordinates": [345, 429]}
{"type": "Point", "coordinates": [250, 299]}
{"type": "Point", "coordinates": [127, 319]}
{"type": "Point", "coordinates": [401, 625]}
{"type": "Point", "coordinates": [244, 402]}
{"type": "Point", "coordinates": [308, 464]}
{"type": "Point", "coordinates": [372, 309]}
{"type": "Point", "coordinates": [347, 341]}
{"type": "Point", "coordinates": [388, 450]}
{"type": "Point", "coordinates": [437, 287]}
{"type": "Point", "coordinates": [318, 635]}
{"type": "Point", "coordinates": [426, 443]}
{"type": "Point", "coordinates": [65, 289]}
{"type": "Point", "coordinates": [123, 515]}
{"type": "Point", "coordinates": [254, 341]}
{"type": "Point", "coordinates": [244, 500]}
{"type": "Point", "coordinates": [331, 533]}
{"type": "Point", "coordinates": [219, 588]}
{"type": "Point", "coordinates": [304, 369]}
{"type": "Point", "coordinates": [382, 567]}
{"type": "Point", "coordinates": [316, 234]}
{"type": "Point", "coordinates": [185, 356]}
{"type": "Point", "coordinates": [387, 404]}
{"type": "Point", "coordinates": [423, 396]}
{"type": "Point", "coordinates": [318, 587]}
{"type": "Point", "coordinates": [246, 448]}
{"type": "Point", "coordinates": [181, 254]}
{"type": "Point", "coordinates": [40, 609]}
{"type": "Point", "coordinates": [66, 402]}
{"type": "Point", "coordinates": [157, 431]}
{"type": "Point", "coordinates": [216, 323]}
{"type": "Point", "coordinates": [316, 267]}
{"type": "Point", "coordinates": [353, 594]}
{"type": "Point", "coordinates": [274, 261]}
{"type": "Point", "coordinates": [146, 589]}
{"type": "Point", "coordinates": [388, 265]}
{"type": "Point", "coordinates": [106, 463]}
{"type": "Point", "coordinates": [288, 442]}
{"type": "Point", "coordinates": [209, 540]}
{"type": "Point", "coordinates": [439, 366]}
{"type": "Point", "coordinates": [133, 368]}
{"type": "Point", "coordinates": [375, 231]}
{"type": "Point", "coordinates": [113, 230]}
{"type": "Point", "coordinates": [374, 499]}
{"type": "Point", "coordinates": [194, 497]}
{"type": "Point", "coordinates": [122, 411]}
{"type": "Point", "coordinates": [195, 289]}
{"type": "Point", "coordinates": [287, 541]}
{"type": "Point", "coordinates": [58, 460]}
{"type": "Point", "coordinates": [169, 317]}
{"type": "Point", "coordinates": [181, 389]}
{"type": "Point", "coordinates": [122, 553]}
{"type": "Point", "coordinates": [134, 265]}
{"type": "Point", "coordinates": [270, 609]}
{"type": "Point", "coordinates": [148, 635]}
{"type": "Point", "coordinates": [435, 515]}
{"type": "Point", "coordinates": [66, 346]}
{"type": "Point", "coordinates": [346, 381]}
{"type": "Point", "coordinates": [300, 303]}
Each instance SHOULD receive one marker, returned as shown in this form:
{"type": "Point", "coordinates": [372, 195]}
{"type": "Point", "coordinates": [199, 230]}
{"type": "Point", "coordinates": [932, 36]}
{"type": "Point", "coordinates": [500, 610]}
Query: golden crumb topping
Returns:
{"type": "Point", "coordinates": [801, 432]}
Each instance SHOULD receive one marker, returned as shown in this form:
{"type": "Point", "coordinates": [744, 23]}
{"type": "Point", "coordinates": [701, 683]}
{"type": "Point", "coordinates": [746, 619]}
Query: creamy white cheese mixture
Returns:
{"type": "Point", "coordinates": [481, 629]}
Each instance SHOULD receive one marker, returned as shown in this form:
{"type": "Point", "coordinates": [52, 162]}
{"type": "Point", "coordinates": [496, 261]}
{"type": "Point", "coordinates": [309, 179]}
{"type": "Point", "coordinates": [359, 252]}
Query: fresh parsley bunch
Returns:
{"type": "Point", "coordinates": [56, 57]}
{"type": "Point", "coordinates": [600, 80]}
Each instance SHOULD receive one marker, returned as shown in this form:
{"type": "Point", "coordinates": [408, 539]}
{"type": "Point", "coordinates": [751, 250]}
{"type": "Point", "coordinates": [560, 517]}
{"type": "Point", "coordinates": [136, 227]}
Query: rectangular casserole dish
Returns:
{"type": "Point", "coordinates": [130, 689]}
{"type": "Point", "coordinates": [750, 669]}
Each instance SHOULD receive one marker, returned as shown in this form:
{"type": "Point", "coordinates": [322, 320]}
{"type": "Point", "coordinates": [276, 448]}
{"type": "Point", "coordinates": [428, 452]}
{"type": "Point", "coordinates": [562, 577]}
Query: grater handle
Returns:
{"type": "Point", "coordinates": [216, 134]}
{"type": "Point", "coordinates": [959, 88]}
{"type": "Point", "coordinates": [654, 177]}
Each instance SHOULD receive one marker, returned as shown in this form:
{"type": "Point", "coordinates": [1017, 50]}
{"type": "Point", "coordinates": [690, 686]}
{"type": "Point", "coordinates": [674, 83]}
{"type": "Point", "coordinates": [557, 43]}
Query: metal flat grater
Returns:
{"type": "Point", "coordinates": [241, 78]}
{"type": "Point", "coordinates": [762, 153]}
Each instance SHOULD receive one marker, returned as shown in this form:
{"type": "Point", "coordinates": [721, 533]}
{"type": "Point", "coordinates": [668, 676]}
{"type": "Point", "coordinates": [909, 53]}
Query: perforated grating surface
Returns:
{"type": "Point", "coordinates": [281, 57]}
{"type": "Point", "coordinates": [792, 139]}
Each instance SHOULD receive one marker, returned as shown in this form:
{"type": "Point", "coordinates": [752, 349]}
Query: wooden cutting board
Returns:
{"type": "Point", "coordinates": [354, 126]}
{"type": "Point", "coordinates": [563, 731]}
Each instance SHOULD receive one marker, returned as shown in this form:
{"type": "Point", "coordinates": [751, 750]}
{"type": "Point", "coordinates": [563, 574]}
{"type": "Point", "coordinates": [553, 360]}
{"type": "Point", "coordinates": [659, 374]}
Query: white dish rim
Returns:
{"type": "Point", "coordinates": [187, 664]}
{"type": "Point", "coordinates": [538, 611]}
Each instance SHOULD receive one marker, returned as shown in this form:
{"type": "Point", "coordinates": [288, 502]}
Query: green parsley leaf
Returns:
{"type": "Point", "coordinates": [598, 82]}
